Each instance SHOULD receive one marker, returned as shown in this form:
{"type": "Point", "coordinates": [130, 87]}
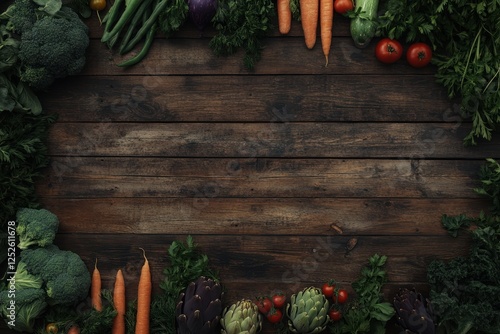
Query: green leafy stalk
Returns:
{"type": "Point", "coordinates": [242, 24]}
{"type": "Point", "coordinates": [368, 312]}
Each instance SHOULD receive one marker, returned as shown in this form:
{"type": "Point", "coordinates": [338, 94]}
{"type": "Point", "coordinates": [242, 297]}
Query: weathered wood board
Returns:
{"type": "Point", "coordinates": [263, 168]}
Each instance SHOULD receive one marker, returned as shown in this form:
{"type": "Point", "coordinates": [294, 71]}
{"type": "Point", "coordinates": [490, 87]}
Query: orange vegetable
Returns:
{"type": "Point", "coordinates": [326, 25]}
{"type": "Point", "coordinates": [309, 11]}
{"type": "Point", "coordinates": [119, 303]}
{"type": "Point", "coordinates": [74, 330]}
{"type": "Point", "coordinates": [143, 299]}
{"type": "Point", "coordinates": [95, 289]}
{"type": "Point", "coordinates": [284, 16]}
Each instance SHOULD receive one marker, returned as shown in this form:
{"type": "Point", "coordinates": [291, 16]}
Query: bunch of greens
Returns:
{"type": "Point", "coordinates": [186, 264]}
{"type": "Point", "coordinates": [465, 292]}
{"type": "Point", "coordinates": [465, 37]}
{"type": "Point", "coordinates": [242, 24]}
{"type": "Point", "coordinates": [368, 312]}
{"type": "Point", "coordinates": [85, 317]}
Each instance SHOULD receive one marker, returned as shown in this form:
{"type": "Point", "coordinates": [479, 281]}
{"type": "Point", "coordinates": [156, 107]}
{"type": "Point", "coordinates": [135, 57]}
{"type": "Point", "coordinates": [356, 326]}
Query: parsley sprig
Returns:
{"type": "Point", "coordinates": [242, 24]}
{"type": "Point", "coordinates": [465, 37]}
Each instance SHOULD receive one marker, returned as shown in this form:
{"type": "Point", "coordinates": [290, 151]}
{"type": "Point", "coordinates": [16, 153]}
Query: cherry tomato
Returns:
{"type": "Point", "coordinates": [274, 316]}
{"type": "Point", "coordinates": [419, 54]}
{"type": "Point", "coordinates": [388, 50]}
{"type": "Point", "coordinates": [343, 6]}
{"type": "Point", "coordinates": [334, 314]}
{"type": "Point", "coordinates": [278, 300]}
{"type": "Point", "coordinates": [341, 296]}
{"type": "Point", "coordinates": [264, 304]}
{"type": "Point", "coordinates": [51, 328]}
{"type": "Point", "coordinates": [328, 289]}
{"type": "Point", "coordinates": [97, 4]}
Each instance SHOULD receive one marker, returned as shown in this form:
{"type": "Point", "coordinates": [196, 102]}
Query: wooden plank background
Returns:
{"type": "Point", "coordinates": [262, 167]}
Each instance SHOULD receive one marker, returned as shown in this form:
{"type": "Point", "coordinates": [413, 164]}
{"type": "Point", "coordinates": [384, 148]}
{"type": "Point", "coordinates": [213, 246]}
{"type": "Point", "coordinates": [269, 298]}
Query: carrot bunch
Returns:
{"type": "Point", "coordinates": [312, 13]}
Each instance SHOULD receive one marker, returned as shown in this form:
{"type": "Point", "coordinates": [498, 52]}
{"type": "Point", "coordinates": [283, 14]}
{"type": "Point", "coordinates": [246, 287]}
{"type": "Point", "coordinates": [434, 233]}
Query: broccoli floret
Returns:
{"type": "Point", "coordinates": [20, 308]}
{"type": "Point", "coordinates": [36, 227]}
{"type": "Point", "coordinates": [21, 15]}
{"type": "Point", "coordinates": [66, 277]}
{"type": "Point", "coordinates": [53, 48]}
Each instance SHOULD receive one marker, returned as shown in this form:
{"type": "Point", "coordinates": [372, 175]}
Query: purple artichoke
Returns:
{"type": "Point", "coordinates": [200, 307]}
{"type": "Point", "coordinates": [414, 312]}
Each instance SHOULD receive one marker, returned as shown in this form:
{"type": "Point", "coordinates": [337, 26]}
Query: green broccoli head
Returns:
{"type": "Point", "coordinates": [21, 308]}
{"type": "Point", "coordinates": [22, 14]}
{"type": "Point", "coordinates": [54, 48]}
{"type": "Point", "coordinates": [36, 227]}
{"type": "Point", "coordinates": [65, 276]}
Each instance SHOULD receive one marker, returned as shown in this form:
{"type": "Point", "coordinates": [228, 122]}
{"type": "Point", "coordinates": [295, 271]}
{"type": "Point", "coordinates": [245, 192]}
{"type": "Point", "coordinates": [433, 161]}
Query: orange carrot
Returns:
{"type": "Point", "coordinates": [119, 303]}
{"type": "Point", "coordinates": [95, 289]}
{"type": "Point", "coordinates": [326, 25]}
{"type": "Point", "coordinates": [284, 16]}
{"type": "Point", "coordinates": [309, 11]}
{"type": "Point", "coordinates": [143, 299]}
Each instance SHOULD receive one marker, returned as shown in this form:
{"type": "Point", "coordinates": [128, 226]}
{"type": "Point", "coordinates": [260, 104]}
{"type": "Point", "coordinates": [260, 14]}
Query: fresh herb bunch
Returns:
{"type": "Point", "coordinates": [88, 319]}
{"type": "Point", "coordinates": [465, 37]}
{"type": "Point", "coordinates": [368, 313]}
{"type": "Point", "coordinates": [465, 292]}
{"type": "Point", "coordinates": [242, 24]}
{"type": "Point", "coordinates": [186, 264]}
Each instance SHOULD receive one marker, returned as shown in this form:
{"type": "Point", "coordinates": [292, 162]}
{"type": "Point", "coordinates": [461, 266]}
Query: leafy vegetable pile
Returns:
{"type": "Point", "coordinates": [368, 313]}
{"type": "Point", "coordinates": [465, 292]}
{"type": "Point", "coordinates": [465, 37]}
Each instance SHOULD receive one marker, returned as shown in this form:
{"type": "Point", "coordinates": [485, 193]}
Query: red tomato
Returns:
{"type": "Point", "coordinates": [388, 50]}
{"type": "Point", "coordinates": [278, 300]}
{"type": "Point", "coordinates": [334, 314]}
{"type": "Point", "coordinates": [274, 316]}
{"type": "Point", "coordinates": [341, 296]}
{"type": "Point", "coordinates": [343, 6]}
{"type": "Point", "coordinates": [419, 55]}
{"type": "Point", "coordinates": [328, 289]}
{"type": "Point", "coordinates": [264, 304]}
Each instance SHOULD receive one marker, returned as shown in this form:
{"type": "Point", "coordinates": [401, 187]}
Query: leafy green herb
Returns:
{"type": "Point", "coordinates": [187, 264]}
{"type": "Point", "coordinates": [89, 320]}
{"type": "Point", "coordinates": [465, 37]}
{"type": "Point", "coordinates": [242, 24]}
{"type": "Point", "coordinates": [368, 312]}
{"type": "Point", "coordinates": [465, 291]}
{"type": "Point", "coordinates": [173, 17]}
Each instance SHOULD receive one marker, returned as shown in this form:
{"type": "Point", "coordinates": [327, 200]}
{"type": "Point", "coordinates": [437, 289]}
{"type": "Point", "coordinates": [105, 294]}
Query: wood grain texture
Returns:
{"type": "Point", "coordinates": [264, 168]}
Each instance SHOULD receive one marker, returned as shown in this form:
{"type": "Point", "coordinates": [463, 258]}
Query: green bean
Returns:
{"type": "Point", "coordinates": [143, 11]}
{"type": "Point", "coordinates": [159, 8]}
{"type": "Point", "coordinates": [112, 16]}
{"type": "Point", "coordinates": [145, 48]}
{"type": "Point", "coordinates": [127, 15]}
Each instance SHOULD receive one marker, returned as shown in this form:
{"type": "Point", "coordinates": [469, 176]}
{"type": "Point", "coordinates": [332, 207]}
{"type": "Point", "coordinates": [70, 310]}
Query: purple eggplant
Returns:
{"type": "Point", "coordinates": [201, 12]}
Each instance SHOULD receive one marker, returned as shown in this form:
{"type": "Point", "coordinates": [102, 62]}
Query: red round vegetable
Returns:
{"type": "Point", "coordinates": [388, 50]}
{"type": "Point", "coordinates": [419, 55]}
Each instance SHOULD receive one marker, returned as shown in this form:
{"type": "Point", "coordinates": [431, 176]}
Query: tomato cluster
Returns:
{"type": "Point", "coordinates": [338, 296]}
{"type": "Point", "coordinates": [272, 306]}
{"type": "Point", "coordinates": [389, 51]}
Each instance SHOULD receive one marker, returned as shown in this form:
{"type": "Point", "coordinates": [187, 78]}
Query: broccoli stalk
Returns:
{"type": "Point", "coordinates": [21, 308]}
{"type": "Point", "coordinates": [36, 227]}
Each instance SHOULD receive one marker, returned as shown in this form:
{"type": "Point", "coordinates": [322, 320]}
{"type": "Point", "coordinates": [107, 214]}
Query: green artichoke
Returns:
{"type": "Point", "coordinates": [243, 317]}
{"type": "Point", "coordinates": [199, 308]}
{"type": "Point", "coordinates": [308, 311]}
